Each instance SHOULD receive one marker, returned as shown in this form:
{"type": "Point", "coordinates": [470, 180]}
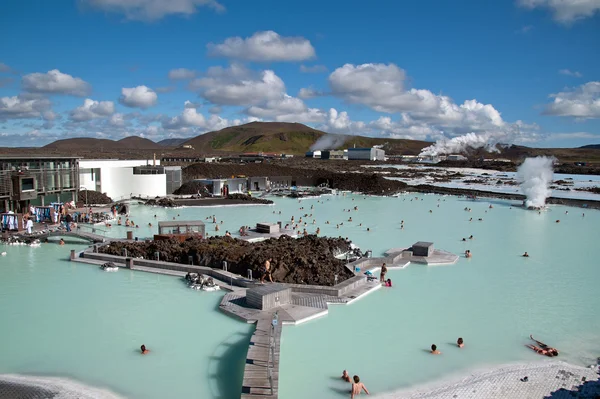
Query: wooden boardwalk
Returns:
{"type": "Point", "coordinates": [261, 371]}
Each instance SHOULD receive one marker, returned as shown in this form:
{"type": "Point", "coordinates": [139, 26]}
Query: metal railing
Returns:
{"type": "Point", "coordinates": [271, 356]}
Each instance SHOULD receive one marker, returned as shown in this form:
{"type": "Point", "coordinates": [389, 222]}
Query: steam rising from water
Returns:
{"type": "Point", "coordinates": [459, 144]}
{"type": "Point", "coordinates": [329, 142]}
{"type": "Point", "coordinates": [535, 175]}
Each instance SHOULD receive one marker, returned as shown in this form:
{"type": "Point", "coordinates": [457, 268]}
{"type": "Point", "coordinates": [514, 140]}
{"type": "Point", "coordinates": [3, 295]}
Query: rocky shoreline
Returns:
{"type": "Point", "coordinates": [355, 178]}
{"type": "Point", "coordinates": [306, 260]}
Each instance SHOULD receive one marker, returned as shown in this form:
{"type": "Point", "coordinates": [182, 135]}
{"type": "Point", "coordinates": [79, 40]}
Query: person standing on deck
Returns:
{"type": "Point", "coordinates": [29, 225]}
{"type": "Point", "coordinates": [383, 273]}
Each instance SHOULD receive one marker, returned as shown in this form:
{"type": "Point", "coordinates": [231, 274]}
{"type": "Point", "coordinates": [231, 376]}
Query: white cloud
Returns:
{"type": "Point", "coordinates": [237, 85]}
{"type": "Point", "coordinates": [182, 74]}
{"type": "Point", "coordinates": [309, 92]}
{"type": "Point", "coordinates": [151, 10]}
{"type": "Point", "coordinates": [92, 110]}
{"type": "Point", "coordinates": [581, 102]}
{"type": "Point", "coordinates": [264, 47]}
{"type": "Point", "coordinates": [138, 97]}
{"type": "Point", "coordinates": [188, 118]}
{"type": "Point", "coordinates": [382, 88]}
{"type": "Point", "coordinates": [189, 104]}
{"type": "Point", "coordinates": [190, 121]}
{"type": "Point", "coordinates": [21, 107]}
{"type": "Point", "coordinates": [287, 109]}
{"type": "Point", "coordinates": [55, 82]}
{"type": "Point", "coordinates": [565, 11]}
{"type": "Point", "coordinates": [117, 120]}
{"type": "Point", "coordinates": [568, 72]}
{"type": "Point", "coordinates": [313, 68]}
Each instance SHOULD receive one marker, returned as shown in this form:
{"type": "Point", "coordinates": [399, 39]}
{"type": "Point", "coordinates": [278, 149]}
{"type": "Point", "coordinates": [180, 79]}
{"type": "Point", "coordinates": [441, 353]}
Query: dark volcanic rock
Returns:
{"type": "Point", "coordinates": [93, 197]}
{"type": "Point", "coordinates": [165, 202]}
{"type": "Point", "coordinates": [192, 188]}
{"type": "Point", "coordinates": [248, 198]}
{"type": "Point", "coordinates": [306, 260]}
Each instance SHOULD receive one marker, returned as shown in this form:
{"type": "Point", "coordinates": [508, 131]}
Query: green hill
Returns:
{"type": "Point", "coordinates": [289, 138]}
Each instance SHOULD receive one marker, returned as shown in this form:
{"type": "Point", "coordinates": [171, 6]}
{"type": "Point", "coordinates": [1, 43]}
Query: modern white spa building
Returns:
{"type": "Point", "coordinates": [120, 179]}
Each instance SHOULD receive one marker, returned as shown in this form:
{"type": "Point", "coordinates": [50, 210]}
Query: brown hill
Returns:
{"type": "Point", "coordinates": [290, 138]}
{"type": "Point", "coordinates": [93, 144]}
{"type": "Point", "coordinates": [136, 142]}
{"type": "Point", "coordinates": [81, 143]}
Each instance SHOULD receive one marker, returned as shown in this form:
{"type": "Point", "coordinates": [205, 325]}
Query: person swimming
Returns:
{"type": "Point", "coordinates": [542, 345]}
{"type": "Point", "coordinates": [525, 255]}
{"type": "Point", "coordinates": [357, 387]}
{"type": "Point", "coordinates": [144, 350]}
{"type": "Point", "coordinates": [460, 343]}
{"type": "Point", "coordinates": [346, 376]}
{"type": "Point", "coordinates": [434, 350]}
{"type": "Point", "coordinates": [61, 242]}
{"type": "Point", "coordinates": [540, 351]}
{"type": "Point", "coordinates": [388, 283]}
{"type": "Point", "coordinates": [468, 254]}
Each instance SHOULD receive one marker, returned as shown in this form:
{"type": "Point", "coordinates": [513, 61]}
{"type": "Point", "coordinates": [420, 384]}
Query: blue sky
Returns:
{"type": "Point", "coordinates": [477, 72]}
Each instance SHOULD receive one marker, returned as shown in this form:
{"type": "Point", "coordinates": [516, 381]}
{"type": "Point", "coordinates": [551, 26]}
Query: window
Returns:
{"type": "Point", "coordinates": [27, 184]}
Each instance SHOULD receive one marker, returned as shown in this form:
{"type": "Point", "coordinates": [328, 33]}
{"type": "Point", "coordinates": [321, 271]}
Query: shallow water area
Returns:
{"type": "Point", "coordinates": [73, 320]}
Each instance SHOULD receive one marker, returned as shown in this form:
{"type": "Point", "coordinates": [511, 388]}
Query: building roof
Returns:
{"type": "Point", "coordinates": [360, 149]}
{"type": "Point", "coordinates": [34, 157]}
{"type": "Point", "coordinates": [181, 223]}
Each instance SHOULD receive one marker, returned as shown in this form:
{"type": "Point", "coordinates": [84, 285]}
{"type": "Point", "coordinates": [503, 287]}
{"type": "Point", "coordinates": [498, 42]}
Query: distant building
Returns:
{"type": "Point", "coordinates": [497, 160]}
{"type": "Point", "coordinates": [333, 154]}
{"type": "Point", "coordinates": [408, 158]}
{"type": "Point", "coordinates": [313, 154]}
{"type": "Point", "coordinates": [373, 154]}
{"type": "Point", "coordinates": [456, 157]}
{"type": "Point", "coordinates": [37, 180]}
{"type": "Point", "coordinates": [428, 159]}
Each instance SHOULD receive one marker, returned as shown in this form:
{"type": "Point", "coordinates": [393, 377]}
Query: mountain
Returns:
{"type": "Point", "coordinates": [290, 138]}
{"type": "Point", "coordinates": [81, 143]}
{"type": "Point", "coordinates": [591, 146]}
{"type": "Point", "coordinates": [136, 142]}
{"type": "Point", "coordinates": [172, 142]}
{"type": "Point", "coordinates": [92, 144]}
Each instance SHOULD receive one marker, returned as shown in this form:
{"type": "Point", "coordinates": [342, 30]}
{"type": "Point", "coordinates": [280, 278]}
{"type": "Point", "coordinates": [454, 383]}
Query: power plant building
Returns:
{"type": "Point", "coordinates": [367, 154]}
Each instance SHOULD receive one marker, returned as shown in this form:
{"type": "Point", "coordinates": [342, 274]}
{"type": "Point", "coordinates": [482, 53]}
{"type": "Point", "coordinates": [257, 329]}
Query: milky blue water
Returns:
{"type": "Point", "coordinates": [72, 320]}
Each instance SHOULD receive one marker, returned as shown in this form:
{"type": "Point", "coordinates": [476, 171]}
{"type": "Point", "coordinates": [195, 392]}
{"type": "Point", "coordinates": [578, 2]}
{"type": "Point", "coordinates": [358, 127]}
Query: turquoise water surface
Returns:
{"type": "Point", "coordinates": [73, 320]}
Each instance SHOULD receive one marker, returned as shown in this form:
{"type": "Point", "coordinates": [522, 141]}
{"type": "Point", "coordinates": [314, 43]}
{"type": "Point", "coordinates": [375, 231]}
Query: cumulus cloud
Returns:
{"type": "Point", "coordinates": [151, 10]}
{"type": "Point", "coordinates": [22, 107]}
{"type": "Point", "coordinates": [92, 110]}
{"type": "Point", "coordinates": [191, 121]}
{"type": "Point", "coordinates": [264, 47]}
{"type": "Point", "coordinates": [313, 68]}
{"type": "Point", "coordinates": [238, 85]}
{"type": "Point", "coordinates": [287, 109]}
{"type": "Point", "coordinates": [189, 104]}
{"type": "Point", "coordinates": [138, 97]}
{"type": "Point", "coordinates": [55, 82]}
{"type": "Point", "coordinates": [568, 72]}
{"type": "Point", "coordinates": [117, 120]}
{"type": "Point", "coordinates": [309, 92]}
{"type": "Point", "coordinates": [565, 11]}
{"type": "Point", "coordinates": [182, 74]}
{"type": "Point", "coordinates": [581, 102]}
{"type": "Point", "coordinates": [382, 88]}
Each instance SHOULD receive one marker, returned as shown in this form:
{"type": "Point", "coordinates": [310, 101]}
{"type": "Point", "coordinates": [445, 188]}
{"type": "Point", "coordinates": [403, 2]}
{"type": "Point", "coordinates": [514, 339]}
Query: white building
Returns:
{"type": "Point", "coordinates": [123, 178]}
{"type": "Point", "coordinates": [372, 154]}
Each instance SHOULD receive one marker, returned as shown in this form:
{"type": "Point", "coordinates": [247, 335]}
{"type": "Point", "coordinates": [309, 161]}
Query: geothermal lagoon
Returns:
{"type": "Point", "coordinates": [75, 322]}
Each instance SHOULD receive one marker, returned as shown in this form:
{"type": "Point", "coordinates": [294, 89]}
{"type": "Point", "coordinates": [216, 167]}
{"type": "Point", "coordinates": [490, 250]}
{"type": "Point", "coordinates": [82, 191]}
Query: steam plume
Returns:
{"type": "Point", "coordinates": [535, 175]}
{"type": "Point", "coordinates": [329, 142]}
{"type": "Point", "coordinates": [459, 144]}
